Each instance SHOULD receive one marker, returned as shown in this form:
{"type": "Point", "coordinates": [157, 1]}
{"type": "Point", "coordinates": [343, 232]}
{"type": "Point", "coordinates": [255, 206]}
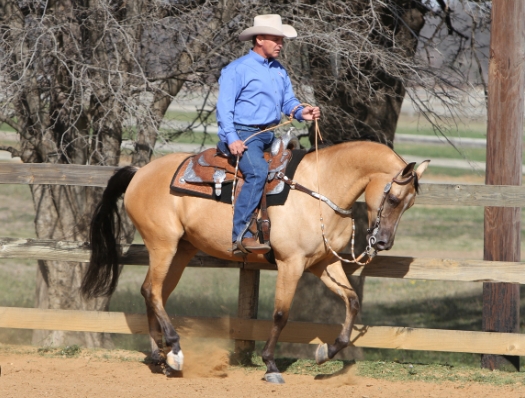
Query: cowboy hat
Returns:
{"type": "Point", "coordinates": [269, 24]}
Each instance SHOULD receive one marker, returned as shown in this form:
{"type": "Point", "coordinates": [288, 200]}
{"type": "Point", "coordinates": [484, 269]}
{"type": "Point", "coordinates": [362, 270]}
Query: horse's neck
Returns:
{"type": "Point", "coordinates": [345, 170]}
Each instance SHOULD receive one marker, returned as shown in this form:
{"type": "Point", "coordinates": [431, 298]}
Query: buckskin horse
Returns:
{"type": "Point", "coordinates": [306, 234]}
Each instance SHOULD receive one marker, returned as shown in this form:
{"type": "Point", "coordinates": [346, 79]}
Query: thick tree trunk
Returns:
{"type": "Point", "coordinates": [365, 104]}
{"type": "Point", "coordinates": [64, 213]}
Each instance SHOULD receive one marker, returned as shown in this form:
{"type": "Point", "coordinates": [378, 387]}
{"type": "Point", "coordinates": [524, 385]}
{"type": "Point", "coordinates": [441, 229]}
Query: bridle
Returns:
{"type": "Point", "coordinates": [372, 231]}
{"type": "Point", "coordinates": [370, 251]}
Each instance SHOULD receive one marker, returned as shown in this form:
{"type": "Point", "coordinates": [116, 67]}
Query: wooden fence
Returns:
{"type": "Point", "coordinates": [255, 329]}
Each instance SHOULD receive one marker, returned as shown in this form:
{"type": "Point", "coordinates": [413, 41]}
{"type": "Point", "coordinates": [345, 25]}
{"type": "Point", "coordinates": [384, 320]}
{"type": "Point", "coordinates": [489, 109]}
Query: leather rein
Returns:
{"type": "Point", "coordinates": [295, 185]}
{"type": "Point", "coordinates": [369, 250]}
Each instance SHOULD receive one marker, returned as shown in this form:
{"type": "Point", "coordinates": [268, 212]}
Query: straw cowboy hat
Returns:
{"type": "Point", "coordinates": [269, 24]}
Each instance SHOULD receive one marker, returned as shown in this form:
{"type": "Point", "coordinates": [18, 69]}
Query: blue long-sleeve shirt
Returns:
{"type": "Point", "coordinates": [253, 91]}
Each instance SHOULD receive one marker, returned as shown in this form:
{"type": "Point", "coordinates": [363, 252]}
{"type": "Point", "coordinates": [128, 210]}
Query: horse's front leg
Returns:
{"type": "Point", "coordinates": [287, 278]}
{"type": "Point", "coordinates": [334, 277]}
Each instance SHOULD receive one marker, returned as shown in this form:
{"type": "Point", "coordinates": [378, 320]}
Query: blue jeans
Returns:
{"type": "Point", "coordinates": [255, 171]}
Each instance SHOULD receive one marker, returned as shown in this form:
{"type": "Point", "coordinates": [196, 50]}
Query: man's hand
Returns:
{"type": "Point", "coordinates": [311, 113]}
{"type": "Point", "coordinates": [237, 147]}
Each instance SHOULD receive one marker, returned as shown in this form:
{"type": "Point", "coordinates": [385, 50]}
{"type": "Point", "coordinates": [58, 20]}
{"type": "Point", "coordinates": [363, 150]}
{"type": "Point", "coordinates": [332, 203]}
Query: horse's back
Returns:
{"type": "Point", "coordinates": [166, 216]}
{"type": "Point", "coordinates": [154, 177]}
{"type": "Point", "coordinates": [148, 200]}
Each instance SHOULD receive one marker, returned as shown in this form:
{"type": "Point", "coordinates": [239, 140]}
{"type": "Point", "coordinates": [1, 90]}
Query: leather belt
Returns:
{"type": "Point", "coordinates": [258, 126]}
{"type": "Point", "coordinates": [264, 126]}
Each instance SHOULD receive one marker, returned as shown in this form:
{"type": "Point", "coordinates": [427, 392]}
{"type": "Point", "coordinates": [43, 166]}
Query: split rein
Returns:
{"type": "Point", "coordinates": [369, 250]}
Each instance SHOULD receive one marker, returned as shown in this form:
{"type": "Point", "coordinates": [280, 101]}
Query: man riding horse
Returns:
{"type": "Point", "coordinates": [309, 232]}
{"type": "Point", "coordinates": [254, 90]}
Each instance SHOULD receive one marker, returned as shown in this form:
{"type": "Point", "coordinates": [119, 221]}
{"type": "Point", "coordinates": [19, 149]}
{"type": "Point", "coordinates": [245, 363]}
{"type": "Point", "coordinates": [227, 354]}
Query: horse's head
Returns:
{"type": "Point", "coordinates": [387, 199]}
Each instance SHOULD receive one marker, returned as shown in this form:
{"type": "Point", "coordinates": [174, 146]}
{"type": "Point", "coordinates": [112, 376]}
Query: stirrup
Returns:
{"type": "Point", "coordinates": [238, 250]}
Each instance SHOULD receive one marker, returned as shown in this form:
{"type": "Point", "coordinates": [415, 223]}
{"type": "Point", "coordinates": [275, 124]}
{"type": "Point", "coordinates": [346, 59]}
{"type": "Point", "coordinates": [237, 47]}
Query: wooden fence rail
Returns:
{"type": "Point", "coordinates": [382, 266]}
{"type": "Point", "coordinates": [97, 176]}
{"type": "Point", "coordinates": [253, 329]}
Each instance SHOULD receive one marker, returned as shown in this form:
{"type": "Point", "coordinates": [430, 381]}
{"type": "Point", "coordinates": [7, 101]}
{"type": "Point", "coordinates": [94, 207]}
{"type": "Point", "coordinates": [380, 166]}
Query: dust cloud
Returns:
{"type": "Point", "coordinates": [344, 377]}
{"type": "Point", "coordinates": [204, 357]}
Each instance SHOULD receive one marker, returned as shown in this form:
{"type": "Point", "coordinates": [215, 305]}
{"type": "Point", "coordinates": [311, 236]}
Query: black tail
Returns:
{"type": "Point", "coordinates": [103, 271]}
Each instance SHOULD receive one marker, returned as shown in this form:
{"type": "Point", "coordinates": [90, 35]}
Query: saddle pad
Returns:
{"type": "Point", "coordinates": [207, 190]}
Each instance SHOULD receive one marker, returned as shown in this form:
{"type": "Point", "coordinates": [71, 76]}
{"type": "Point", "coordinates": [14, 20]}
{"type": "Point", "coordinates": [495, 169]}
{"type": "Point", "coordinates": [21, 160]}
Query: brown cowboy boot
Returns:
{"type": "Point", "coordinates": [254, 246]}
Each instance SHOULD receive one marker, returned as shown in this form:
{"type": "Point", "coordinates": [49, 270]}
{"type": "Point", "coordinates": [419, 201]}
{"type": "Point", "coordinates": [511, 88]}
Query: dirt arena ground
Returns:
{"type": "Point", "coordinates": [27, 373]}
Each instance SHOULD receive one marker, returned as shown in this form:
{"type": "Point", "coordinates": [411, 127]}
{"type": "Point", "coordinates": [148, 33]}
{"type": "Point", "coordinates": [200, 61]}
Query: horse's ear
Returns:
{"type": "Point", "coordinates": [407, 172]}
{"type": "Point", "coordinates": [421, 168]}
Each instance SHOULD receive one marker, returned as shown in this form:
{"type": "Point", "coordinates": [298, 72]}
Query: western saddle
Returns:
{"type": "Point", "coordinates": [207, 174]}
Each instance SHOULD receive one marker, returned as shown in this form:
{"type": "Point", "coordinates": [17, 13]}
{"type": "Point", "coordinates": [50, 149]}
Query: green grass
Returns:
{"type": "Point", "coordinates": [6, 127]}
{"type": "Point", "coordinates": [446, 228]}
{"type": "Point", "coordinates": [194, 138]}
{"type": "Point", "coordinates": [17, 284]}
{"type": "Point", "coordinates": [444, 152]}
{"type": "Point", "coordinates": [476, 131]}
{"type": "Point", "coordinates": [462, 129]}
{"type": "Point", "coordinates": [17, 289]}
{"type": "Point", "coordinates": [187, 116]}
{"type": "Point", "coordinates": [16, 211]}
{"type": "Point", "coordinates": [423, 357]}
{"type": "Point", "coordinates": [441, 151]}
{"type": "Point", "coordinates": [443, 222]}
{"type": "Point", "coordinates": [398, 371]}
{"type": "Point", "coordinates": [65, 352]}
{"type": "Point", "coordinates": [436, 373]}
{"type": "Point", "coordinates": [445, 172]}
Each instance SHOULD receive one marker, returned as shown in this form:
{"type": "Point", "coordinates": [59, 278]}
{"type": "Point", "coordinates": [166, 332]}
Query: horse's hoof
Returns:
{"type": "Point", "coordinates": [321, 355]}
{"type": "Point", "coordinates": [158, 357]}
{"type": "Point", "coordinates": [274, 378]}
{"type": "Point", "coordinates": [169, 372]}
{"type": "Point", "coordinates": [175, 361]}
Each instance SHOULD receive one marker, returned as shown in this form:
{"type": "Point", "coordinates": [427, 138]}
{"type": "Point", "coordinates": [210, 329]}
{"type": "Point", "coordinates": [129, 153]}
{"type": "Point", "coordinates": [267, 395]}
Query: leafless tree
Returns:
{"type": "Point", "coordinates": [360, 59]}
{"type": "Point", "coordinates": [77, 76]}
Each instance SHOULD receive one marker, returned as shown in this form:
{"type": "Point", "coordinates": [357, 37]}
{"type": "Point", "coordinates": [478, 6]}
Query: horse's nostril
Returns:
{"type": "Point", "coordinates": [382, 245]}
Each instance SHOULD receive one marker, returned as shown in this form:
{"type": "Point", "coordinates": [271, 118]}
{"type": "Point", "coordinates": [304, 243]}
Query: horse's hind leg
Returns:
{"type": "Point", "coordinates": [165, 271]}
{"type": "Point", "coordinates": [335, 279]}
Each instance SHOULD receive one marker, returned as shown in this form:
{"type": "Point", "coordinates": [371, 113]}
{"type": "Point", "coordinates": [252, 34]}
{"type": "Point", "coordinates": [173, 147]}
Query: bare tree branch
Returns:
{"type": "Point", "coordinates": [10, 121]}
{"type": "Point", "coordinates": [15, 153]}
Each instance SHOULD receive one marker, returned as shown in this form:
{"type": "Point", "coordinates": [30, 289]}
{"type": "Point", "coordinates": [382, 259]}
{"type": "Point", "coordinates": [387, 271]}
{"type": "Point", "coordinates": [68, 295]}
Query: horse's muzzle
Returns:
{"type": "Point", "coordinates": [379, 243]}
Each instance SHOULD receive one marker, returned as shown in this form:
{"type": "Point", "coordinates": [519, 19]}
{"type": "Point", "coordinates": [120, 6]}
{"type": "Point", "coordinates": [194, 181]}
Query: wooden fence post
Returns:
{"type": "Point", "coordinates": [247, 309]}
{"type": "Point", "coordinates": [501, 302]}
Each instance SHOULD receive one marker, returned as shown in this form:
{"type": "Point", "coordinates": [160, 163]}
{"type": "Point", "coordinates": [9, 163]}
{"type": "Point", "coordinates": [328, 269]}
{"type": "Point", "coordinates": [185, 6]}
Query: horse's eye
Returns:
{"type": "Point", "coordinates": [393, 200]}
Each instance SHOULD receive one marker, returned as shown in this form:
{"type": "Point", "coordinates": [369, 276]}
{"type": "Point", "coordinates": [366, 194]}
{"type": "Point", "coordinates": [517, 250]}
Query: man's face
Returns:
{"type": "Point", "coordinates": [270, 45]}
